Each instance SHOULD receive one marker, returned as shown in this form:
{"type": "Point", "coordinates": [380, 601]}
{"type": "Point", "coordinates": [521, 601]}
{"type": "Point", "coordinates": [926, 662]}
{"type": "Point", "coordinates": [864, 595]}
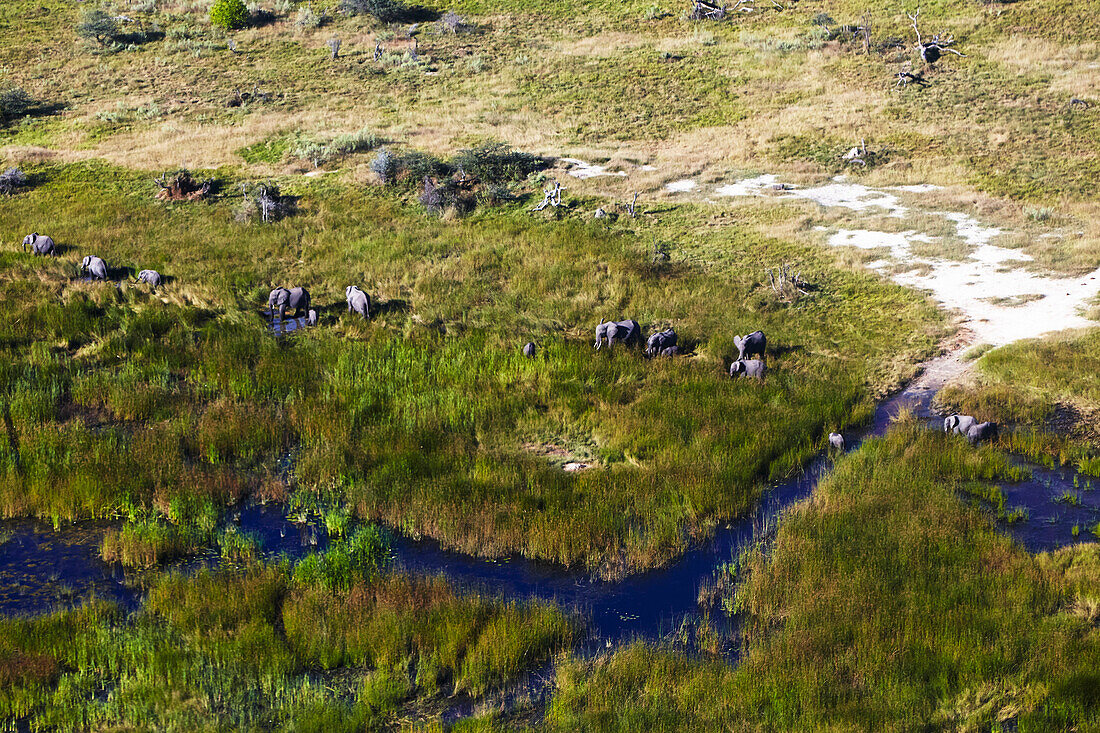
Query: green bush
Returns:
{"type": "Point", "coordinates": [96, 24]}
{"type": "Point", "coordinates": [14, 103]}
{"type": "Point", "coordinates": [387, 11]}
{"type": "Point", "coordinates": [496, 162]}
{"type": "Point", "coordinates": [228, 14]}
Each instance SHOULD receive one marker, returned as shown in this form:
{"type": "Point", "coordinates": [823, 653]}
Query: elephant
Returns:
{"type": "Point", "coordinates": [283, 299]}
{"type": "Point", "coordinates": [150, 277]}
{"type": "Point", "coordinates": [748, 368]}
{"type": "Point", "coordinates": [40, 245]}
{"type": "Point", "coordinates": [959, 424]}
{"type": "Point", "coordinates": [836, 440]}
{"type": "Point", "coordinates": [658, 342]}
{"type": "Point", "coordinates": [358, 301]}
{"type": "Point", "coordinates": [754, 343]}
{"type": "Point", "coordinates": [311, 318]}
{"type": "Point", "coordinates": [981, 431]}
{"type": "Point", "coordinates": [95, 267]}
{"type": "Point", "coordinates": [529, 349]}
{"type": "Point", "coordinates": [670, 351]}
{"type": "Point", "coordinates": [628, 332]}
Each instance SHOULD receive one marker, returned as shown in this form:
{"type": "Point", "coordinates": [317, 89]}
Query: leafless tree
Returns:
{"type": "Point", "coordinates": [787, 287]}
{"type": "Point", "coordinates": [551, 196]}
{"type": "Point", "coordinates": [932, 50]}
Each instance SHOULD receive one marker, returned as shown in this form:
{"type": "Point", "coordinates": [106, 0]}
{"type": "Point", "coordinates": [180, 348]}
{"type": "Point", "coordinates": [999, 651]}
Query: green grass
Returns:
{"type": "Point", "coordinates": [427, 418]}
{"type": "Point", "coordinates": [1048, 387]}
{"type": "Point", "coordinates": [884, 603]}
{"type": "Point", "coordinates": [253, 649]}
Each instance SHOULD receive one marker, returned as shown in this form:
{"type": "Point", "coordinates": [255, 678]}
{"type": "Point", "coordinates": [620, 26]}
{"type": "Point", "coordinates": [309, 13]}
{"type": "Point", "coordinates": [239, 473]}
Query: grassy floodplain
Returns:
{"type": "Point", "coordinates": [886, 602]}
{"type": "Point", "coordinates": [428, 418]}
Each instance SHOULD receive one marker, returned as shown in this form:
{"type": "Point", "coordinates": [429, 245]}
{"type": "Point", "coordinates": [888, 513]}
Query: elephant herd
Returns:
{"type": "Point", "coordinates": [627, 332]}
{"type": "Point", "coordinates": [664, 343]}
{"type": "Point", "coordinates": [297, 299]}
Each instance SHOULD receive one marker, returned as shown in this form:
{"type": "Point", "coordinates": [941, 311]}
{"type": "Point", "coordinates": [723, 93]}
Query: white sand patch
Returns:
{"type": "Point", "coordinates": [969, 229]}
{"type": "Point", "coordinates": [749, 186]}
{"type": "Point", "coordinates": [999, 298]}
{"type": "Point", "coordinates": [581, 169]}
{"type": "Point", "coordinates": [866, 239]}
{"type": "Point", "coordinates": [647, 168]}
{"type": "Point", "coordinates": [1001, 302]}
{"type": "Point", "coordinates": [681, 186]}
{"type": "Point", "coordinates": [839, 192]}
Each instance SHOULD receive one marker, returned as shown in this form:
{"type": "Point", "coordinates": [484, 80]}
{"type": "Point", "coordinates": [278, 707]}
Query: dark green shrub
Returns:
{"type": "Point", "coordinates": [14, 103]}
{"type": "Point", "coordinates": [387, 11]}
{"type": "Point", "coordinates": [228, 14]}
{"type": "Point", "coordinates": [496, 163]}
{"type": "Point", "coordinates": [11, 181]}
{"type": "Point", "coordinates": [98, 25]}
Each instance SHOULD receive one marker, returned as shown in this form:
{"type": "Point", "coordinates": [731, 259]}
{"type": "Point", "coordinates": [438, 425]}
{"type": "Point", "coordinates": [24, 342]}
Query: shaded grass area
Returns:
{"type": "Point", "coordinates": [119, 400]}
{"type": "Point", "coordinates": [1049, 388]}
{"type": "Point", "coordinates": [883, 603]}
{"type": "Point", "coordinates": [258, 650]}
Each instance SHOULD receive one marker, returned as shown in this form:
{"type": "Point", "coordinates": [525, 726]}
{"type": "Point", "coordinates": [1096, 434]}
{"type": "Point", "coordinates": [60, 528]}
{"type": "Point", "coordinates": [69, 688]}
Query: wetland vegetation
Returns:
{"type": "Point", "coordinates": [358, 148]}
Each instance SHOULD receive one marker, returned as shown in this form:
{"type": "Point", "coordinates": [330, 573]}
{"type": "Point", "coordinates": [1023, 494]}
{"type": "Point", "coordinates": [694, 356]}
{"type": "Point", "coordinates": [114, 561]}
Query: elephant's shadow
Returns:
{"type": "Point", "coordinates": [393, 306]}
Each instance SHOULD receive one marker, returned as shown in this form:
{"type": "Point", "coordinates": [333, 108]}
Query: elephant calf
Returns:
{"type": "Point", "coordinates": [753, 344]}
{"type": "Point", "coordinates": [627, 332]}
{"type": "Point", "coordinates": [959, 424]}
{"type": "Point", "coordinates": [358, 301]}
{"type": "Point", "coordinates": [39, 245]}
{"type": "Point", "coordinates": [283, 299]}
{"type": "Point", "coordinates": [658, 342]}
{"type": "Point", "coordinates": [150, 277]}
{"type": "Point", "coordinates": [670, 351]}
{"type": "Point", "coordinates": [95, 267]}
{"type": "Point", "coordinates": [529, 349]}
{"type": "Point", "coordinates": [836, 441]}
{"type": "Point", "coordinates": [748, 368]}
{"type": "Point", "coordinates": [981, 431]}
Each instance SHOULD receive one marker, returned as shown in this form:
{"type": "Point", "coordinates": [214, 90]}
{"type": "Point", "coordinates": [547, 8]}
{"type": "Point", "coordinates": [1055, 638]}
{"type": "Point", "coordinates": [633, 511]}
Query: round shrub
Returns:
{"type": "Point", "coordinates": [228, 14]}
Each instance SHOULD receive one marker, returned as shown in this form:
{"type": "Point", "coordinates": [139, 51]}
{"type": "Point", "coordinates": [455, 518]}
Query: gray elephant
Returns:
{"type": "Point", "coordinates": [754, 368]}
{"type": "Point", "coordinates": [311, 318]}
{"type": "Point", "coordinates": [529, 349]}
{"type": "Point", "coordinates": [959, 424]}
{"type": "Point", "coordinates": [283, 299]}
{"type": "Point", "coordinates": [40, 245]}
{"type": "Point", "coordinates": [670, 351]}
{"type": "Point", "coordinates": [660, 341]}
{"type": "Point", "coordinates": [358, 301]}
{"type": "Point", "coordinates": [836, 441]}
{"type": "Point", "coordinates": [95, 267]}
{"type": "Point", "coordinates": [981, 431]}
{"type": "Point", "coordinates": [753, 344]}
{"type": "Point", "coordinates": [150, 277]}
{"type": "Point", "coordinates": [627, 332]}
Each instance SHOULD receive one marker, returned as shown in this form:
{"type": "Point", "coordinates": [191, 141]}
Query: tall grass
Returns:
{"type": "Point", "coordinates": [254, 650]}
{"type": "Point", "coordinates": [427, 418]}
{"type": "Point", "coordinates": [884, 603]}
